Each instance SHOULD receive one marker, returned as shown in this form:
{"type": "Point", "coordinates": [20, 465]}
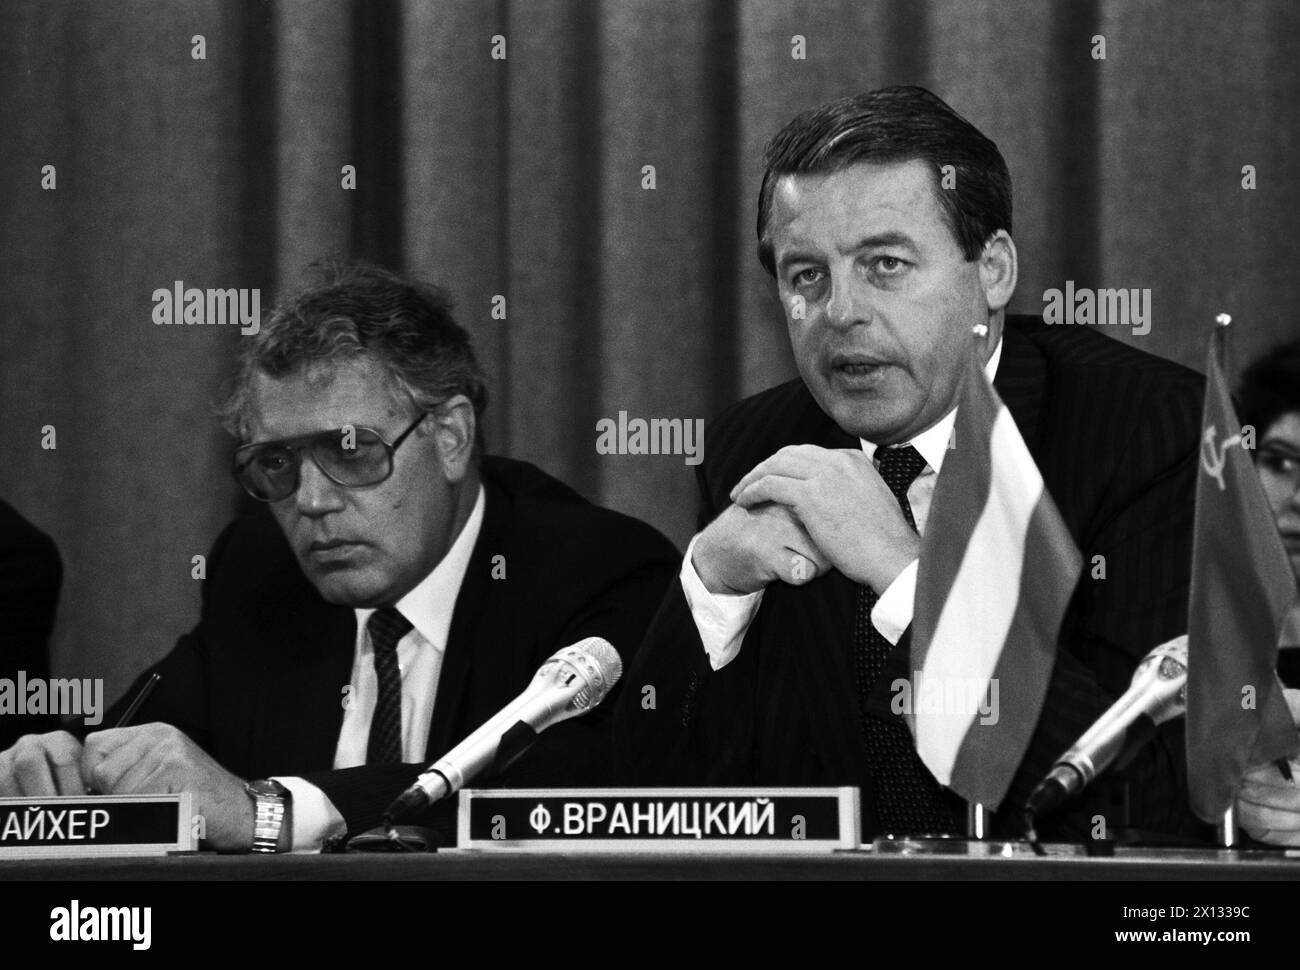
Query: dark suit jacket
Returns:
{"type": "Point", "coordinates": [1114, 432]}
{"type": "Point", "coordinates": [30, 576]}
{"type": "Point", "coordinates": [259, 682]}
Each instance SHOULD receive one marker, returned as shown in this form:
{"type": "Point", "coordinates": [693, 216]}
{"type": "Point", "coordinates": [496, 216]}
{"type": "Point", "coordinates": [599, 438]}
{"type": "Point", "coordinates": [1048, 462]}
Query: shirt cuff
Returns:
{"type": "Point", "coordinates": [892, 614]}
{"type": "Point", "coordinates": [721, 618]}
{"type": "Point", "coordinates": [315, 819]}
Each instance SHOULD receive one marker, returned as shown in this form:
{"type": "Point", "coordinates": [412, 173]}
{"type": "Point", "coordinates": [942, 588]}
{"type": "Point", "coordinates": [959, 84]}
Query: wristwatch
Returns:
{"type": "Point", "coordinates": [271, 804]}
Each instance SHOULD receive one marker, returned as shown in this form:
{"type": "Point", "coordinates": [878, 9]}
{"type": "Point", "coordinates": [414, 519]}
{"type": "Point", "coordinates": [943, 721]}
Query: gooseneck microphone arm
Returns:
{"type": "Point", "coordinates": [572, 682]}
{"type": "Point", "coordinates": [1158, 694]}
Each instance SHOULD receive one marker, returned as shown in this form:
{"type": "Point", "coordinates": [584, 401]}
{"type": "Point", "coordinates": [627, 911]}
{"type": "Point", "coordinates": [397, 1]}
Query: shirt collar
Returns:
{"type": "Point", "coordinates": [932, 443]}
{"type": "Point", "coordinates": [430, 604]}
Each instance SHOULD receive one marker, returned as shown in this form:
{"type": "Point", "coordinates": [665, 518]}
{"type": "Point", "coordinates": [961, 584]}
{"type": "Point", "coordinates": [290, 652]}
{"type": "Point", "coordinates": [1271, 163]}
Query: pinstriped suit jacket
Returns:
{"type": "Point", "coordinates": [1114, 432]}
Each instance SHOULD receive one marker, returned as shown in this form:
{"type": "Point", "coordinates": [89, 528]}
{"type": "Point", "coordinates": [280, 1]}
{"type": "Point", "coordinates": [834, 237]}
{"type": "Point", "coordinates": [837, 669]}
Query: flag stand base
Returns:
{"type": "Point", "coordinates": [951, 845]}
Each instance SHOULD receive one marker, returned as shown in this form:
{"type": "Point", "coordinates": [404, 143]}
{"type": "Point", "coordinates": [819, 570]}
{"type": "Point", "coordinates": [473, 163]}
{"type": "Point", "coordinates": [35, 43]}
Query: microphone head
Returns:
{"type": "Point", "coordinates": [1163, 674]}
{"type": "Point", "coordinates": [597, 664]}
{"type": "Point", "coordinates": [1169, 660]}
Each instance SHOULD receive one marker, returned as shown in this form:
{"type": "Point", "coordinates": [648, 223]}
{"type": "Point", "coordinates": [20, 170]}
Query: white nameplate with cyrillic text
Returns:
{"type": "Point", "coordinates": [87, 826]}
{"type": "Point", "coordinates": [795, 820]}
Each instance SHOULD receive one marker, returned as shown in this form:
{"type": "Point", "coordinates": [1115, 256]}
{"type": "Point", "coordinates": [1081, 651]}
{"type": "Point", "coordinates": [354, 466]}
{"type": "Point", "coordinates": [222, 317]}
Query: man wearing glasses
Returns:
{"type": "Point", "coordinates": [401, 590]}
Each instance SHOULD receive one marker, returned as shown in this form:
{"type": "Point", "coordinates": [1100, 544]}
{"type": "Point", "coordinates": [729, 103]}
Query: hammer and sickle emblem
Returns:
{"type": "Point", "coordinates": [1213, 460]}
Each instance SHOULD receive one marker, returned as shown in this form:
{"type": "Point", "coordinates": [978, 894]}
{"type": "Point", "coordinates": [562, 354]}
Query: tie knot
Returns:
{"type": "Point", "coordinates": [899, 466]}
{"type": "Point", "coordinates": [387, 627]}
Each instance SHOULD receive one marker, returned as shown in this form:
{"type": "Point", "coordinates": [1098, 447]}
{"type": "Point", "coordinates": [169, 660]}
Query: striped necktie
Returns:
{"type": "Point", "coordinates": [386, 628]}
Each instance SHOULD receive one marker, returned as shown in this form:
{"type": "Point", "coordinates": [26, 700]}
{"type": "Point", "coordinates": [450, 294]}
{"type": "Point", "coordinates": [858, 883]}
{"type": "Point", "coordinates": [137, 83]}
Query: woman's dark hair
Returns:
{"type": "Point", "coordinates": [1270, 387]}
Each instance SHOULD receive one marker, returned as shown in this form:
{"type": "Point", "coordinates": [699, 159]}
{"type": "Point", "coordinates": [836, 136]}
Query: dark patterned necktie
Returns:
{"type": "Point", "coordinates": [386, 628]}
{"type": "Point", "coordinates": [908, 798]}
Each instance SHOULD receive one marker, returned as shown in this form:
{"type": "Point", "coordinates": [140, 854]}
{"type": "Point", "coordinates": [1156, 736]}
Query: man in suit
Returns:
{"type": "Point", "coordinates": [886, 221]}
{"type": "Point", "coordinates": [30, 576]}
{"type": "Point", "coordinates": [394, 591]}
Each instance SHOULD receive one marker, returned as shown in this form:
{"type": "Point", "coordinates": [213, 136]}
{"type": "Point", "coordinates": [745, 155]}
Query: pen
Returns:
{"type": "Point", "coordinates": [1285, 768]}
{"type": "Point", "coordinates": [130, 712]}
{"type": "Point", "coordinates": [140, 698]}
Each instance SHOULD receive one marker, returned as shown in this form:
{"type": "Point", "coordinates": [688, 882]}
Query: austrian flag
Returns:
{"type": "Point", "coordinates": [997, 570]}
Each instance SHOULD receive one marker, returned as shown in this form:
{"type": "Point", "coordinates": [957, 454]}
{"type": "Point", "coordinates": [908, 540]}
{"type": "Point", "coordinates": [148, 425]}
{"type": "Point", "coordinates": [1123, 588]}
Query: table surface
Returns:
{"type": "Point", "coordinates": [1127, 865]}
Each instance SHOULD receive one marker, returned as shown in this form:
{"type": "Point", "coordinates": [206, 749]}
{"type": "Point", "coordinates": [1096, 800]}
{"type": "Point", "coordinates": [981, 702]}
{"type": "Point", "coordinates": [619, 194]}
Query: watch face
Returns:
{"type": "Point", "coordinates": [266, 787]}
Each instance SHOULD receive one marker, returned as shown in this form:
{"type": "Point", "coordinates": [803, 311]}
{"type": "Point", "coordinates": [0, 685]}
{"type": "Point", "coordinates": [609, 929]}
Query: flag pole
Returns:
{"type": "Point", "coordinates": [1227, 824]}
{"type": "Point", "coordinates": [1228, 828]}
{"type": "Point", "coordinates": [977, 822]}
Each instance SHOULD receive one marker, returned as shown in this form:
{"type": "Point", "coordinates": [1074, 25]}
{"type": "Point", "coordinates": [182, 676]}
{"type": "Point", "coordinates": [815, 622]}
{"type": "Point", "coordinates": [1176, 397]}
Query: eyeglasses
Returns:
{"type": "Point", "coordinates": [351, 457]}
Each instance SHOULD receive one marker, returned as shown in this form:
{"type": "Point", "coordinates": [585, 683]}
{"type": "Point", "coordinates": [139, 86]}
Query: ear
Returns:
{"type": "Point", "coordinates": [453, 426]}
{"type": "Point", "coordinates": [999, 268]}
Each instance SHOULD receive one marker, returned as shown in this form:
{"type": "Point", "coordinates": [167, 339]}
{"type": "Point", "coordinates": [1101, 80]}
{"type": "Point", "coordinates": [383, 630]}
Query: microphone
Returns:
{"type": "Point", "coordinates": [1158, 694]}
{"type": "Point", "coordinates": [572, 682]}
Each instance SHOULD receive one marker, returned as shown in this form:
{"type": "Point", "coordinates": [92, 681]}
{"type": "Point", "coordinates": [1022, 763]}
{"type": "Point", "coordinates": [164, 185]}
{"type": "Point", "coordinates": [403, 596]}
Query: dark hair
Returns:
{"type": "Point", "coordinates": [1270, 387]}
{"type": "Point", "coordinates": [895, 124]}
{"type": "Point", "coordinates": [355, 309]}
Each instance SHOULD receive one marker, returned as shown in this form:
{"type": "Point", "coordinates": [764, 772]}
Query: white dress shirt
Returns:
{"type": "Point", "coordinates": [722, 618]}
{"type": "Point", "coordinates": [429, 608]}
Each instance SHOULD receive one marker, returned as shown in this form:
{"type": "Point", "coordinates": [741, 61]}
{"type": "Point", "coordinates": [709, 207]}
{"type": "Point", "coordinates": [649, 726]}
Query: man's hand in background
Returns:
{"type": "Point", "coordinates": [42, 764]}
{"type": "Point", "coordinates": [1268, 805]}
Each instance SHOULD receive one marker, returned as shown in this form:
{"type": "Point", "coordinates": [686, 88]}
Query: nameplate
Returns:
{"type": "Point", "coordinates": [795, 820]}
{"type": "Point", "coordinates": [69, 826]}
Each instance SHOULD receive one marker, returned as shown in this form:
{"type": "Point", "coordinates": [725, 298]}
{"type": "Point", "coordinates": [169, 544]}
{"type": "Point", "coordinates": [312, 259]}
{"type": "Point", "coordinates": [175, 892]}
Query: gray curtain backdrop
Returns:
{"type": "Point", "coordinates": [523, 177]}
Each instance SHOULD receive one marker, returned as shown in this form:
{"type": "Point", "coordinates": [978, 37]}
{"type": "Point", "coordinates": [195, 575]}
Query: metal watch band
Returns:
{"type": "Point", "coordinates": [268, 821]}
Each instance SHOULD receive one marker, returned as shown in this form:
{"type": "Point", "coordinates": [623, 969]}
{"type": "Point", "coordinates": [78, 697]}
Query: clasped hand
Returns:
{"type": "Point", "coordinates": [801, 512]}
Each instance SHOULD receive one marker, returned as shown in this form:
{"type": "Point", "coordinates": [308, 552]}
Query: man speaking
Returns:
{"type": "Point", "coordinates": [885, 219]}
{"type": "Point", "coordinates": [402, 589]}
